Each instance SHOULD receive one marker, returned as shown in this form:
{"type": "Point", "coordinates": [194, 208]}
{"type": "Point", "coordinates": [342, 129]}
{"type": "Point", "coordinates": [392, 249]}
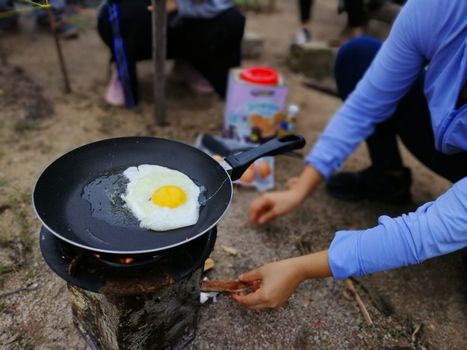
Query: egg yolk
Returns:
{"type": "Point", "coordinates": [169, 196]}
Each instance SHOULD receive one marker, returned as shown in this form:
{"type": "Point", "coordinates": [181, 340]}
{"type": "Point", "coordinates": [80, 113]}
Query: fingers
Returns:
{"type": "Point", "coordinates": [251, 301]}
{"type": "Point", "coordinates": [250, 276]}
{"type": "Point", "coordinates": [258, 208]}
{"type": "Point", "coordinates": [150, 8]}
{"type": "Point", "coordinates": [267, 216]}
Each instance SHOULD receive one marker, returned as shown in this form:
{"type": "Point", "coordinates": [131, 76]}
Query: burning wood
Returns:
{"type": "Point", "coordinates": [125, 260]}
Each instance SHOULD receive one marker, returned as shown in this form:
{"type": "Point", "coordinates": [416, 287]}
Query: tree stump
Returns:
{"type": "Point", "coordinates": [165, 318]}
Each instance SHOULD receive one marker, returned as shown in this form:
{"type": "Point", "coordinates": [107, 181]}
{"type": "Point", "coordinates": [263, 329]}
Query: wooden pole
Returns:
{"type": "Point", "coordinates": [159, 48]}
{"type": "Point", "coordinates": [53, 27]}
{"type": "Point", "coordinates": [3, 57]}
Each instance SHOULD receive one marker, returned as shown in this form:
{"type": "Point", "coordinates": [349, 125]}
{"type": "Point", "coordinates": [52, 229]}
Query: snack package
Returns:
{"type": "Point", "coordinates": [260, 174]}
{"type": "Point", "coordinates": [255, 109]}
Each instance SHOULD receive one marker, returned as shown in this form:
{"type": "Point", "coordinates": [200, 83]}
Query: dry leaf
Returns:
{"type": "Point", "coordinates": [208, 264]}
{"type": "Point", "coordinates": [230, 250]}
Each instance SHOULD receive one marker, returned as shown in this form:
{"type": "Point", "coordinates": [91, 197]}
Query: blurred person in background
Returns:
{"type": "Point", "coordinates": [207, 34]}
{"type": "Point", "coordinates": [64, 28]}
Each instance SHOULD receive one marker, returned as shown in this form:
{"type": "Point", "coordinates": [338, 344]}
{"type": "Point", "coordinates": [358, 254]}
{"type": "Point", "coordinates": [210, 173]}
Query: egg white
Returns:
{"type": "Point", "coordinates": [143, 181]}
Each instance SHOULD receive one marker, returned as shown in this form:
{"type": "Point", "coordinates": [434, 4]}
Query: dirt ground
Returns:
{"type": "Point", "coordinates": [412, 308]}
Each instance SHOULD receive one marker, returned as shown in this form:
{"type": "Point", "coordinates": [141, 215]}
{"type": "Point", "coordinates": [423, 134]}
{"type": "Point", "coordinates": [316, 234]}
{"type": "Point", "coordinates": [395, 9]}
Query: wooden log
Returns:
{"type": "Point", "coordinates": [159, 48]}
{"type": "Point", "coordinates": [165, 318]}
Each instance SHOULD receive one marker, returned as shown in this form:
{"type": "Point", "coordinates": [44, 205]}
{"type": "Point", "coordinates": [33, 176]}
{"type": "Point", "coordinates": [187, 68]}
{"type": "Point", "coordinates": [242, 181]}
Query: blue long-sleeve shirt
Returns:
{"type": "Point", "coordinates": [431, 35]}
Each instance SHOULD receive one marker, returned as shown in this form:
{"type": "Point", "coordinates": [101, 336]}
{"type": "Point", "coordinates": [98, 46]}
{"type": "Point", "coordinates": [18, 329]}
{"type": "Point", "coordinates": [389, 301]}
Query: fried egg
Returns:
{"type": "Point", "coordinates": [161, 198]}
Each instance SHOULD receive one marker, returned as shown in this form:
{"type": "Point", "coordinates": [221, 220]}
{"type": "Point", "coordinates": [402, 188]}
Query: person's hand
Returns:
{"type": "Point", "coordinates": [278, 281]}
{"type": "Point", "coordinates": [273, 204]}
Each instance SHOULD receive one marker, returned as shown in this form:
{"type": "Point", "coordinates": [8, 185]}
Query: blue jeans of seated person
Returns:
{"type": "Point", "coordinates": [41, 15]}
{"type": "Point", "coordinates": [411, 121]}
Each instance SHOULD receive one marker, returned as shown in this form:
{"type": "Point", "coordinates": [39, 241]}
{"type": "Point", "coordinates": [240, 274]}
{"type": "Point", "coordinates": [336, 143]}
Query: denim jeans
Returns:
{"type": "Point", "coordinates": [57, 5]}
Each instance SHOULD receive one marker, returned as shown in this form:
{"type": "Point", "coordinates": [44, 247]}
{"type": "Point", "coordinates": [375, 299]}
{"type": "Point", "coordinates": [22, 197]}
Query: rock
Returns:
{"type": "Point", "coordinates": [314, 59]}
{"type": "Point", "coordinates": [252, 45]}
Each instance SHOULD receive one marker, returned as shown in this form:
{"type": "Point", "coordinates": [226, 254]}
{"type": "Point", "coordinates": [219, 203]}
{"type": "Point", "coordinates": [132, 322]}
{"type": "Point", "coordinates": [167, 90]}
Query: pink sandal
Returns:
{"type": "Point", "coordinates": [114, 95]}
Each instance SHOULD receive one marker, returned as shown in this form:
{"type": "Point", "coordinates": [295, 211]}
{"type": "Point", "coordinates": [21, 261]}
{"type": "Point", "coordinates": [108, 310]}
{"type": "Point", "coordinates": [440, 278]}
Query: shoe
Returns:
{"type": "Point", "coordinates": [198, 83]}
{"type": "Point", "coordinates": [381, 185]}
{"type": "Point", "coordinates": [67, 30]}
{"type": "Point", "coordinates": [184, 72]}
{"type": "Point", "coordinates": [114, 95]}
{"type": "Point", "coordinates": [301, 37]}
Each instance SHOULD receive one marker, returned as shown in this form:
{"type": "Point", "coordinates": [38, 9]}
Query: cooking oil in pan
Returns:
{"type": "Point", "coordinates": [104, 195]}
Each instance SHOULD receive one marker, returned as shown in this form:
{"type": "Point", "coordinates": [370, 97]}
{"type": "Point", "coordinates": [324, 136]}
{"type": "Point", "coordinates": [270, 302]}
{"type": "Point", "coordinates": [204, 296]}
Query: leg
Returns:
{"type": "Point", "coordinates": [422, 146]}
{"type": "Point", "coordinates": [355, 16]}
{"type": "Point", "coordinates": [212, 46]}
{"type": "Point", "coordinates": [303, 34]}
{"type": "Point", "coordinates": [386, 179]}
{"type": "Point", "coordinates": [305, 9]}
{"type": "Point", "coordinates": [352, 62]}
{"type": "Point", "coordinates": [128, 35]}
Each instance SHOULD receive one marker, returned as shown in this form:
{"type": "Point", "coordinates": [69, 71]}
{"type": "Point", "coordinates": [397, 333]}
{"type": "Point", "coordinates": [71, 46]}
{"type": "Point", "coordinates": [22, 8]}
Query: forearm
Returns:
{"type": "Point", "coordinates": [434, 229]}
{"type": "Point", "coordinates": [315, 265]}
{"type": "Point", "coordinates": [308, 181]}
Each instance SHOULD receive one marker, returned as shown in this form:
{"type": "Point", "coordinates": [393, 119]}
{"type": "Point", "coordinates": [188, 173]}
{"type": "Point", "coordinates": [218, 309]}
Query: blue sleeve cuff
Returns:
{"type": "Point", "coordinates": [343, 254]}
{"type": "Point", "coordinates": [321, 165]}
{"type": "Point", "coordinates": [361, 252]}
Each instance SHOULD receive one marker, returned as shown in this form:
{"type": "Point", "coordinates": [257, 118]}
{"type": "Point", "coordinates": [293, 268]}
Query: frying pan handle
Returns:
{"type": "Point", "coordinates": [241, 161]}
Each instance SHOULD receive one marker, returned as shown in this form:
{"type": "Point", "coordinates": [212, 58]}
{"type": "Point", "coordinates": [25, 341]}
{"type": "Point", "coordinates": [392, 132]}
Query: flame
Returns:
{"type": "Point", "coordinates": [119, 260]}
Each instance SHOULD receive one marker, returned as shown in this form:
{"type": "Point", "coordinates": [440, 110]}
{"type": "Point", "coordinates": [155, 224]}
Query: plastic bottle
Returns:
{"type": "Point", "coordinates": [291, 121]}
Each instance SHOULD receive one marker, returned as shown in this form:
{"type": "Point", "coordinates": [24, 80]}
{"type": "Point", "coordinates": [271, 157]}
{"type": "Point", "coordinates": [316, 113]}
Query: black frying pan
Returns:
{"type": "Point", "coordinates": [77, 197]}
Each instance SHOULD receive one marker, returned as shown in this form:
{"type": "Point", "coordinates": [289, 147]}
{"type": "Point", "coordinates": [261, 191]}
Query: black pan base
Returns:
{"type": "Point", "coordinates": [82, 269]}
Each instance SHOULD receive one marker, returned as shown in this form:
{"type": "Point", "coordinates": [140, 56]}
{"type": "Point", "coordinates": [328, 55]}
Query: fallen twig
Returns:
{"type": "Point", "coordinates": [379, 301]}
{"type": "Point", "coordinates": [11, 339]}
{"type": "Point", "coordinates": [356, 297]}
{"type": "Point", "coordinates": [415, 332]}
{"type": "Point", "coordinates": [230, 250]}
{"type": "Point", "coordinates": [33, 286]}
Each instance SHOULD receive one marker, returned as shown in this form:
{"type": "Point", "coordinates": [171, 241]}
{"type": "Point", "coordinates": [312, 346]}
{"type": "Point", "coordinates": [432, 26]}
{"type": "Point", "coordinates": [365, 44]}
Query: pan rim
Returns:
{"type": "Point", "coordinates": [132, 251]}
